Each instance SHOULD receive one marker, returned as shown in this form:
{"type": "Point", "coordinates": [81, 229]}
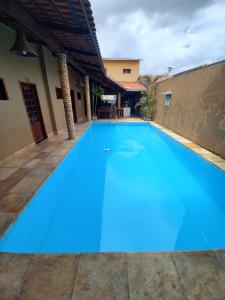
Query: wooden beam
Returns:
{"type": "Point", "coordinates": [107, 82]}
{"type": "Point", "coordinates": [79, 51]}
{"type": "Point", "coordinates": [93, 71]}
{"type": "Point", "coordinates": [87, 63]}
{"type": "Point", "coordinates": [92, 35]}
{"type": "Point", "coordinates": [15, 10]}
{"type": "Point", "coordinates": [65, 28]}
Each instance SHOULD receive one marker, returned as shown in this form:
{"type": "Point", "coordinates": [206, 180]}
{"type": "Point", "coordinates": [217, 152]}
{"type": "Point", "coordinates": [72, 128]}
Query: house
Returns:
{"type": "Point", "coordinates": [50, 61]}
{"type": "Point", "coordinates": [126, 73]}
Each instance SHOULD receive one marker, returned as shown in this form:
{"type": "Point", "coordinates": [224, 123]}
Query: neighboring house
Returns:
{"type": "Point", "coordinates": [34, 90]}
{"type": "Point", "coordinates": [125, 72]}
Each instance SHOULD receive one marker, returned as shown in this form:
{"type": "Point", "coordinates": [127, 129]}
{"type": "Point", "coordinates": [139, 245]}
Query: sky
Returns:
{"type": "Point", "coordinates": [164, 33]}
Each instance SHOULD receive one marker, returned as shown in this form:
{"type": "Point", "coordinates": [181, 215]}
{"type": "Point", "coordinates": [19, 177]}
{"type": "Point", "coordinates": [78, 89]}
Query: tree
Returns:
{"type": "Point", "coordinates": [149, 79]}
{"type": "Point", "coordinates": [98, 92]}
{"type": "Point", "coordinates": [148, 99]}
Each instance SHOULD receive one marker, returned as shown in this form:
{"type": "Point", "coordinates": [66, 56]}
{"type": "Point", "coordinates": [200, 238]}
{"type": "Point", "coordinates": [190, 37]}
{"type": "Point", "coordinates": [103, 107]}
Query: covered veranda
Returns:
{"type": "Point", "coordinates": [67, 29]}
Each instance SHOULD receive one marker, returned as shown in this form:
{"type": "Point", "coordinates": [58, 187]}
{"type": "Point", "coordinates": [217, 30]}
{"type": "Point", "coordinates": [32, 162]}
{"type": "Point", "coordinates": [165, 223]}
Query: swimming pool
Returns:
{"type": "Point", "coordinates": [124, 187]}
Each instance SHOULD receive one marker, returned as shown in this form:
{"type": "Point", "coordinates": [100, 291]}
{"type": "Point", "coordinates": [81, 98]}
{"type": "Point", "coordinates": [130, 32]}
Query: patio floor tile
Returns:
{"type": "Point", "coordinates": [201, 275]}
{"type": "Point", "coordinates": [16, 162]}
{"type": "Point", "coordinates": [6, 172]}
{"type": "Point", "coordinates": [45, 146]}
{"type": "Point", "coordinates": [28, 154]}
{"type": "Point", "coordinates": [101, 276]}
{"type": "Point", "coordinates": [13, 202]}
{"type": "Point", "coordinates": [220, 254]}
{"type": "Point", "coordinates": [42, 170]}
{"type": "Point", "coordinates": [5, 220]}
{"type": "Point", "coordinates": [49, 148]}
{"type": "Point", "coordinates": [153, 276]}
{"type": "Point", "coordinates": [28, 185]}
{"type": "Point", "coordinates": [12, 269]}
{"type": "Point", "coordinates": [49, 277]}
{"type": "Point", "coordinates": [52, 159]}
{"type": "Point", "coordinates": [42, 155]}
{"type": "Point", "coordinates": [33, 163]}
{"type": "Point", "coordinates": [66, 145]}
{"type": "Point", "coordinates": [60, 151]}
{"type": "Point", "coordinates": [12, 180]}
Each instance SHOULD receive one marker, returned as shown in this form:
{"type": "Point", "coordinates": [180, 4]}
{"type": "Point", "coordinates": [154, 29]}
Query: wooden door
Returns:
{"type": "Point", "coordinates": [34, 111]}
{"type": "Point", "coordinates": [73, 105]}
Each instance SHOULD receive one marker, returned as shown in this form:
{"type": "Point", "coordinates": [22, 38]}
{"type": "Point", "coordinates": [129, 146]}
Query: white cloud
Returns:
{"type": "Point", "coordinates": [162, 33]}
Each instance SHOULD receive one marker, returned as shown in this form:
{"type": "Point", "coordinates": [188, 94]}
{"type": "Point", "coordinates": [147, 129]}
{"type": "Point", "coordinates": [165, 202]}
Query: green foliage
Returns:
{"type": "Point", "coordinates": [148, 100]}
{"type": "Point", "coordinates": [150, 79]}
{"type": "Point", "coordinates": [98, 91]}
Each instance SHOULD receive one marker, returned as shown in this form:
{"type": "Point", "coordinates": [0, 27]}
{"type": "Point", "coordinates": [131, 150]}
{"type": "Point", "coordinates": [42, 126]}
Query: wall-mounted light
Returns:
{"type": "Point", "coordinates": [22, 47]}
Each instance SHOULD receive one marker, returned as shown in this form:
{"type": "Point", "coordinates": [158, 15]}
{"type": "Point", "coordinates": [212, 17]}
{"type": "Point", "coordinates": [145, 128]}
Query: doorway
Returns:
{"type": "Point", "coordinates": [33, 109]}
{"type": "Point", "coordinates": [73, 105]}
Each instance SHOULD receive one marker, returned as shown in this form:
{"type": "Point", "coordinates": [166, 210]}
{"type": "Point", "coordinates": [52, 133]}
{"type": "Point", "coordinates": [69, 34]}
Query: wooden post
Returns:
{"type": "Point", "coordinates": [119, 100]}
{"type": "Point", "coordinates": [88, 97]}
{"type": "Point", "coordinates": [65, 86]}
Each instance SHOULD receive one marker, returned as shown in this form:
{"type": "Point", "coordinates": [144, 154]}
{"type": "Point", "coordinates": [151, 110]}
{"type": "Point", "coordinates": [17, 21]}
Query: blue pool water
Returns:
{"type": "Point", "coordinates": [146, 193]}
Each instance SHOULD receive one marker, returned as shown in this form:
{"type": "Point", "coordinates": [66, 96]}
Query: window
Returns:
{"type": "Point", "coordinates": [58, 92]}
{"type": "Point", "coordinates": [126, 71]}
{"type": "Point", "coordinates": [3, 93]}
{"type": "Point", "coordinates": [78, 95]}
{"type": "Point", "coordinates": [168, 97]}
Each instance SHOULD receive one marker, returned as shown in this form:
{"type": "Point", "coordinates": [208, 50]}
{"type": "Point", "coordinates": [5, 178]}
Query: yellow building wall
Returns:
{"type": "Point", "coordinates": [114, 69]}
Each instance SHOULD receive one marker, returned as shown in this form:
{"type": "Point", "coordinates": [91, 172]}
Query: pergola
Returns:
{"type": "Point", "coordinates": [67, 28]}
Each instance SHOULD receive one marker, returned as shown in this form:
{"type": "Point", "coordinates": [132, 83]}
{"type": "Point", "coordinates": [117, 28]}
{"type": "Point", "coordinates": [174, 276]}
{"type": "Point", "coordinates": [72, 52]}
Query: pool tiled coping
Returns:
{"type": "Point", "coordinates": [165, 275]}
{"type": "Point", "coordinates": [206, 154]}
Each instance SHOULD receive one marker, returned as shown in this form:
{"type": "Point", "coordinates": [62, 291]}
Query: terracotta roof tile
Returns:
{"type": "Point", "coordinates": [133, 86]}
{"type": "Point", "coordinates": [162, 78]}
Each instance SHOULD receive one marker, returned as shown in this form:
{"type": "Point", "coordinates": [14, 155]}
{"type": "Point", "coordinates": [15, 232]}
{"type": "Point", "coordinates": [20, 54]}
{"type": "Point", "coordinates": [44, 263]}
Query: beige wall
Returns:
{"type": "Point", "coordinates": [73, 77]}
{"type": "Point", "coordinates": [15, 130]}
{"type": "Point", "coordinates": [114, 69]}
{"type": "Point", "coordinates": [53, 82]}
{"type": "Point", "coordinates": [197, 109]}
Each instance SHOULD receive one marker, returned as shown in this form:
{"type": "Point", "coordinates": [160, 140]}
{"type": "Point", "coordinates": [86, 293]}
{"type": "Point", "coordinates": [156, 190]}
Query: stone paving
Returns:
{"type": "Point", "coordinates": [134, 276]}
{"type": "Point", "coordinates": [166, 275]}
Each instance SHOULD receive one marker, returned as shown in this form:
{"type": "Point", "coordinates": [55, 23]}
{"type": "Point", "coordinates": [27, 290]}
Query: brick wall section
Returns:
{"type": "Point", "coordinates": [197, 109]}
{"type": "Point", "coordinates": [88, 98]}
{"type": "Point", "coordinates": [64, 80]}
